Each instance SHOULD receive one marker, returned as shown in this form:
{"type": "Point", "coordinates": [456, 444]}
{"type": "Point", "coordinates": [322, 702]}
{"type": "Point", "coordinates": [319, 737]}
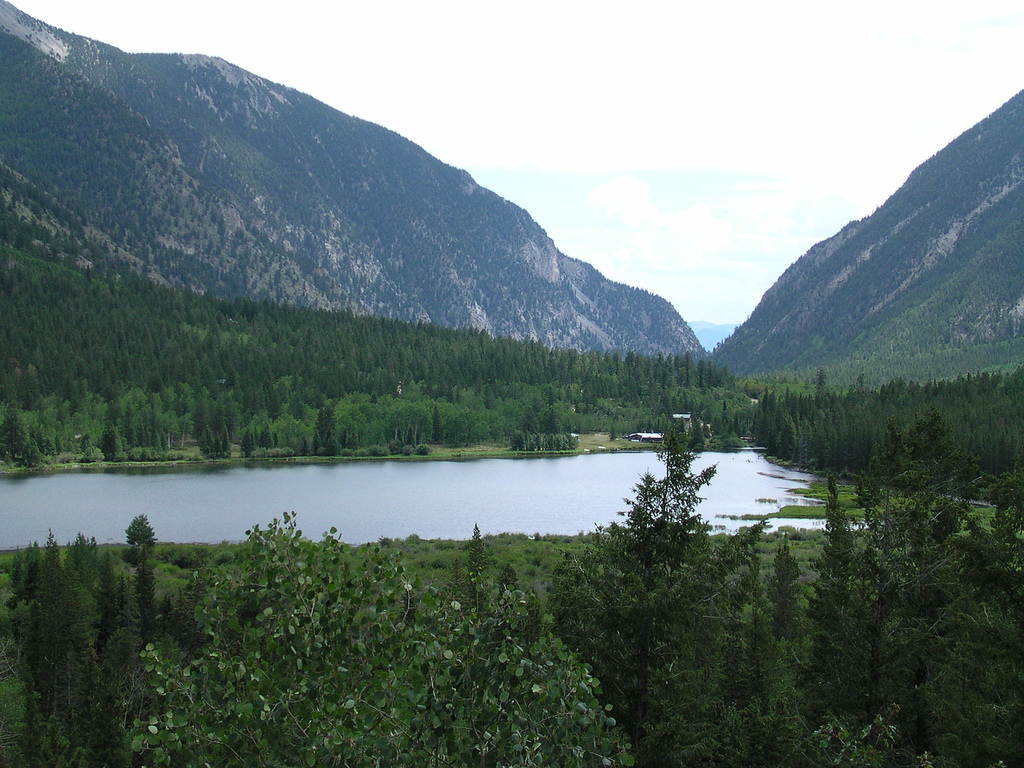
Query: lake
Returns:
{"type": "Point", "coordinates": [366, 501]}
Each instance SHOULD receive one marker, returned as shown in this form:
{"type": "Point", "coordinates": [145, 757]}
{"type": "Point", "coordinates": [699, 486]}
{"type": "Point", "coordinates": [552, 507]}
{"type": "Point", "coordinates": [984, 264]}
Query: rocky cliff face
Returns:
{"type": "Point", "coordinates": [930, 285]}
{"type": "Point", "coordinates": [212, 179]}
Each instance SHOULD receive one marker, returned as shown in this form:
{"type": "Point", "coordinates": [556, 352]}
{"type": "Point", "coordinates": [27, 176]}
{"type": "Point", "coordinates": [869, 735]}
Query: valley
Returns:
{"type": "Point", "coordinates": [223, 303]}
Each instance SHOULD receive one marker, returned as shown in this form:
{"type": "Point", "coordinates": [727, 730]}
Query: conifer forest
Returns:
{"type": "Point", "coordinates": [652, 642]}
{"type": "Point", "coordinates": [201, 267]}
{"type": "Point", "coordinates": [892, 638]}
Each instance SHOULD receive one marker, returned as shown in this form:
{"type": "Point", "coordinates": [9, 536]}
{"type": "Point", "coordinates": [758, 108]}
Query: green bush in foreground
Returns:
{"type": "Point", "coordinates": [322, 654]}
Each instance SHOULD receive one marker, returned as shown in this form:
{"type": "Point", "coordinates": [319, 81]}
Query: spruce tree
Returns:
{"type": "Point", "coordinates": [782, 591]}
{"type": "Point", "coordinates": [139, 534]}
{"type": "Point", "coordinates": [836, 675]}
{"type": "Point", "coordinates": [647, 605]}
{"type": "Point", "coordinates": [110, 442]}
{"type": "Point", "coordinates": [890, 594]}
{"type": "Point", "coordinates": [16, 444]}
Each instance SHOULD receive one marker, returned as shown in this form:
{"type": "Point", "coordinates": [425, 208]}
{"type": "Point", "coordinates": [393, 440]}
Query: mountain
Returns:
{"type": "Point", "coordinates": [200, 175]}
{"type": "Point", "coordinates": [931, 285]}
{"type": "Point", "coordinates": [711, 334]}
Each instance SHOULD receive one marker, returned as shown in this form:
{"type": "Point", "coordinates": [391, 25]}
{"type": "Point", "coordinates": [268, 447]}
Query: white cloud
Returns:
{"type": "Point", "coordinates": [659, 239]}
{"type": "Point", "coordinates": [626, 198]}
{"type": "Point", "coordinates": [712, 259]}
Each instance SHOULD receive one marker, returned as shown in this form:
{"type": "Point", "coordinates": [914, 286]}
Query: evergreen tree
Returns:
{"type": "Point", "coordinates": [95, 720]}
{"type": "Point", "coordinates": [139, 536]}
{"type": "Point", "coordinates": [248, 444]}
{"type": "Point", "coordinates": [889, 596]}
{"type": "Point", "coordinates": [139, 533]}
{"type": "Point", "coordinates": [435, 432]}
{"type": "Point", "coordinates": [782, 590]}
{"type": "Point", "coordinates": [141, 540]}
{"type": "Point", "coordinates": [144, 588]}
{"type": "Point", "coordinates": [647, 604]}
{"type": "Point", "coordinates": [108, 608]}
{"type": "Point", "coordinates": [110, 442]}
{"type": "Point", "coordinates": [325, 437]}
{"type": "Point", "coordinates": [476, 566]}
{"type": "Point", "coordinates": [836, 674]}
{"type": "Point", "coordinates": [16, 444]}
{"type": "Point", "coordinates": [58, 633]}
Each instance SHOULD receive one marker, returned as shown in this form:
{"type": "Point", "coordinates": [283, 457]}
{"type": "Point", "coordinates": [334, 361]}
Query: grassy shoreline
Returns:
{"type": "Point", "coordinates": [599, 442]}
{"type": "Point", "coordinates": [818, 490]}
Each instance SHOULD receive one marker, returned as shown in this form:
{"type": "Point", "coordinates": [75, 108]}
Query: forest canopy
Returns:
{"type": "Point", "coordinates": [652, 642]}
{"type": "Point", "coordinates": [96, 369]}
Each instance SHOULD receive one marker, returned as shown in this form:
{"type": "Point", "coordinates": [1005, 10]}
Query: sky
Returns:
{"type": "Point", "coordinates": [695, 150]}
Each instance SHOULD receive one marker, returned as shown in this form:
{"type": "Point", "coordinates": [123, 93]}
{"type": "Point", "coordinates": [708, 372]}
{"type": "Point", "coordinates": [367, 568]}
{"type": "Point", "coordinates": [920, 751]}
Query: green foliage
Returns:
{"type": "Point", "coordinates": [533, 559]}
{"type": "Point", "coordinates": [528, 442]}
{"type": "Point", "coordinates": [896, 622]}
{"type": "Point", "coordinates": [144, 588]}
{"type": "Point", "coordinates": [650, 604]}
{"type": "Point", "coordinates": [12, 699]}
{"type": "Point", "coordinates": [839, 431]}
{"type": "Point", "coordinates": [872, 746]}
{"type": "Point", "coordinates": [16, 445]}
{"type": "Point", "coordinates": [900, 647]}
{"type": "Point", "coordinates": [352, 663]}
{"type": "Point", "coordinates": [783, 594]}
{"type": "Point", "coordinates": [279, 381]}
{"type": "Point", "coordinates": [139, 533]}
{"type": "Point", "coordinates": [68, 696]}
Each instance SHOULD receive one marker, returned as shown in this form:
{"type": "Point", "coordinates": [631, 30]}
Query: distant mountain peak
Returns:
{"type": "Point", "coordinates": [710, 335]}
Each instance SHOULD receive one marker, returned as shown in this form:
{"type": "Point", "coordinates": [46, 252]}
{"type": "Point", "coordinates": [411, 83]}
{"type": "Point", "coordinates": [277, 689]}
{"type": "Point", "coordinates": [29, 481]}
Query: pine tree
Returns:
{"type": "Point", "coordinates": [95, 720]}
{"type": "Point", "coordinates": [889, 595]}
{"type": "Point", "coordinates": [139, 535]}
{"type": "Point", "coordinates": [782, 591]}
{"type": "Point", "coordinates": [435, 431]}
{"type": "Point", "coordinates": [836, 675]}
{"type": "Point", "coordinates": [144, 588]}
{"type": "Point", "coordinates": [248, 443]}
{"type": "Point", "coordinates": [58, 633]}
{"type": "Point", "coordinates": [476, 555]}
{"type": "Point", "coordinates": [16, 445]}
{"type": "Point", "coordinates": [647, 604]}
{"type": "Point", "coordinates": [110, 442]}
{"type": "Point", "coordinates": [325, 438]}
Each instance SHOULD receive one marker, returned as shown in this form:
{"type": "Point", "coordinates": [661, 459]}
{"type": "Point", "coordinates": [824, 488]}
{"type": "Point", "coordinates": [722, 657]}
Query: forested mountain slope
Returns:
{"type": "Point", "coordinates": [120, 367]}
{"type": "Point", "coordinates": [203, 176]}
{"type": "Point", "coordinates": [930, 285]}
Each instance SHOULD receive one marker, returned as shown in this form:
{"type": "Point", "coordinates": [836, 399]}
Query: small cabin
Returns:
{"type": "Point", "coordinates": [645, 437]}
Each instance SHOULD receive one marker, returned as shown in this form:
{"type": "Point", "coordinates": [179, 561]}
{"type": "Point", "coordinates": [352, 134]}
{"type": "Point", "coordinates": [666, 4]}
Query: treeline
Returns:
{"type": "Point", "coordinates": [126, 370]}
{"type": "Point", "coordinates": [827, 429]}
{"type": "Point", "coordinates": [901, 648]}
{"type": "Point", "coordinates": [655, 644]}
{"type": "Point", "coordinates": [292, 651]}
{"type": "Point", "coordinates": [73, 622]}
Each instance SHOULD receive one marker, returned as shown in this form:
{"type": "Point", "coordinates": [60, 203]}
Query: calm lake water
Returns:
{"type": "Point", "coordinates": [369, 500]}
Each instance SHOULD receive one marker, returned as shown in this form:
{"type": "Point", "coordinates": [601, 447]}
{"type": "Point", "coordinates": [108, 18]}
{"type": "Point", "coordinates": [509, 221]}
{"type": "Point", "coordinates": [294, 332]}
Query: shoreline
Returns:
{"type": "Point", "coordinates": [590, 444]}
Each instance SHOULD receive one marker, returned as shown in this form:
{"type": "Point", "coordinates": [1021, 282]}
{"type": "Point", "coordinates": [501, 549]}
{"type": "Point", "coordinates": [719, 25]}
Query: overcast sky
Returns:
{"type": "Point", "coordinates": [692, 150]}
